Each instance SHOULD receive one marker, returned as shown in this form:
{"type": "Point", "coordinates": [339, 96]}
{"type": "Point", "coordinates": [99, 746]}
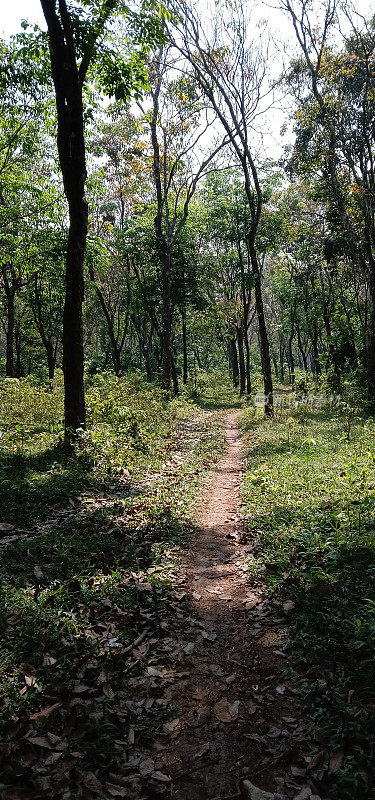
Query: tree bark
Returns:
{"type": "Point", "coordinates": [370, 343]}
{"type": "Point", "coordinates": [241, 360]}
{"type": "Point", "coordinates": [291, 361]}
{"type": "Point", "coordinates": [174, 376]}
{"type": "Point", "coordinates": [234, 362]}
{"type": "Point", "coordinates": [17, 342]}
{"type": "Point", "coordinates": [282, 351]}
{"type": "Point", "coordinates": [263, 336]}
{"type": "Point", "coordinates": [68, 81]}
{"type": "Point", "coordinates": [9, 367]}
{"type": "Point", "coordinates": [247, 354]}
{"type": "Point", "coordinates": [184, 349]}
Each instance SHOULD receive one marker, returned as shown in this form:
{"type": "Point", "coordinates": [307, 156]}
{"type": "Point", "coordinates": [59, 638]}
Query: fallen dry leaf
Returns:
{"type": "Point", "coordinates": [202, 750]}
{"type": "Point", "coordinates": [222, 711]}
{"type": "Point", "coordinates": [45, 712]}
{"type": "Point", "coordinates": [169, 727]}
{"type": "Point", "coordinates": [146, 767]}
{"type": "Point", "coordinates": [159, 776]}
{"type": "Point", "coordinates": [254, 793]}
{"type": "Point", "coordinates": [41, 741]}
{"type": "Point", "coordinates": [336, 761]}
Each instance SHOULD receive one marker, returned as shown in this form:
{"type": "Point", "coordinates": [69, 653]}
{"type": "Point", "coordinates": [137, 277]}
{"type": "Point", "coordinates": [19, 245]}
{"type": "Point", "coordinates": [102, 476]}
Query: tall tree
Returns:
{"type": "Point", "coordinates": [231, 74]}
{"type": "Point", "coordinates": [74, 34]}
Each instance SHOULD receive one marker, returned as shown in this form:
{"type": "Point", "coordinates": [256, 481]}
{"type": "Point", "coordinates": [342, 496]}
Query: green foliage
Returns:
{"type": "Point", "coordinates": [309, 499]}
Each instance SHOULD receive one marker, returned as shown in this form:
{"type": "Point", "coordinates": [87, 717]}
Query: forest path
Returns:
{"type": "Point", "coordinates": [236, 718]}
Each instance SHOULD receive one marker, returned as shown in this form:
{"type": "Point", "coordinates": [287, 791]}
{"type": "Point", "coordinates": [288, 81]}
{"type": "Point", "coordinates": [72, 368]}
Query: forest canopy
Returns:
{"type": "Point", "coordinates": [148, 223]}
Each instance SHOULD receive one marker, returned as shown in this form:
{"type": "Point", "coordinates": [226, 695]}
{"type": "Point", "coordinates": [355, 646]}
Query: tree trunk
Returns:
{"type": "Point", "coordinates": [303, 354]}
{"type": "Point", "coordinates": [247, 354]}
{"type": "Point", "coordinates": [184, 349]}
{"type": "Point", "coordinates": [51, 360]}
{"type": "Point", "coordinates": [17, 342]}
{"type": "Point", "coordinates": [174, 376]}
{"type": "Point", "coordinates": [241, 359]}
{"type": "Point", "coordinates": [370, 343]}
{"type": "Point", "coordinates": [116, 354]}
{"type": "Point", "coordinates": [9, 367]}
{"type": "Point", "coordinates": [234, 362]}
{"type": "Point", "coordinates": [282, 351]}
{"type": "Point", "coordinates": [291, 361]}
{"type": "Point", "coordinates": [68, 81]}
{"type": "Point", "coordinates": [263, 336]}
{"type": "Point", "coordinates": [73, 356]}
{"type": "Point", "coordinates": [315, 350]}
{"type": "Point", "coordinates": [167, 323]}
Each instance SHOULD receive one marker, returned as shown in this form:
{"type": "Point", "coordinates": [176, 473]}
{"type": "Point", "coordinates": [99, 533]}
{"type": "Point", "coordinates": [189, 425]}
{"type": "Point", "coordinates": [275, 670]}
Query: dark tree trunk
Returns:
{"type": "Point", "coordinates": [301, 350]}
{"type": "Point", "coordinates": [197, 356]}
{"type": "Point", "coordinates": [174, 376]}
{"type": "Point", "coordinates": [241, 360]}
{"type": "Point", "coordinates": [115, 349]}
{"type": "Point", "coordinates": [51, 360]}
{"type": "Point", "coordinates": [247, 354]}
{"type": "Point", "coordinates": [315, 350]}
{"type": "Point", "coordinates": [166, 363]}
{"type": "Point", "coordinates": [263, 336]}
{"type": "Point", "coordinates": [148, 365]}
{"type": "Point", "coordinates": [370, 342]}
{"type": "Point", "coordinates": [73, 356]}
{"type": "Point", "coordinates": [68, 81]}
{"type": "Point", "coordinates": [291, 361]}
{"type": "Point", "coordinates": [282, 352]}
{"type": "Point", "coordinates": [9, 367]}
{"type": "Point", "coordinates": [234, 362]}
{"type": "Point", "coordinates": [184, 349]}
{"type": "Point", "coordinates": [17, 342]}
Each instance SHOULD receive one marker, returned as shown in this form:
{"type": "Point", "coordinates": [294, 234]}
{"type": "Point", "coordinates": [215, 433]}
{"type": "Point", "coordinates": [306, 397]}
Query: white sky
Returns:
{"type": "Point", "coordinates": [13, 11]}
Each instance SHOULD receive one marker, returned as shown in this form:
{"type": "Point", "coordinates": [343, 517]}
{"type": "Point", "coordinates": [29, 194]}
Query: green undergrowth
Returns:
{"type": "Point", "coordinates": [130, 432]}
{"type": "Point", "coordinates": [214, 390]}
{"type": "Point", "coordinates": [309, 501]}
{"type": "Point", "coordinates": [89, 543]}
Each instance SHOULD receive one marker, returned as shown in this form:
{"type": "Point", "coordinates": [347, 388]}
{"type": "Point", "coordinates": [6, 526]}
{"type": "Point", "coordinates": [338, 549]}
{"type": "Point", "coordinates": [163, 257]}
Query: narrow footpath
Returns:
{"type": "Point", "coordinates": [237, 722]}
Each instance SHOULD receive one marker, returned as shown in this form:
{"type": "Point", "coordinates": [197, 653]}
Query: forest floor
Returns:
{"type": "Point", "coordinates": [236, 719]}
{"type": "Point", "coordinates": [198, 630]}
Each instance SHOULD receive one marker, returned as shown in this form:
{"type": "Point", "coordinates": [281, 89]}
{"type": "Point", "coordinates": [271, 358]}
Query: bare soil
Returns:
{"type": "Point", "coordinates": [237, 716]}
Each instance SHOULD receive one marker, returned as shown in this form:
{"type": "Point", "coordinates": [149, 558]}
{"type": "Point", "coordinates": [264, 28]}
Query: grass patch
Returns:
{"type": "Point", "coordinates": [90, 569]}
{"type": "Point", "coordinates": [309, 500]}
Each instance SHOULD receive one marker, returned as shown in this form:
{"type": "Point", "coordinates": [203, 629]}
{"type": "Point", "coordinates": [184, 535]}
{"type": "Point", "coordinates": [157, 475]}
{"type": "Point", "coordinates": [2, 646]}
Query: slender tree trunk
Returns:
{"type": "Point", "coordinates": [174, 376]}
{"type": "Point", "coordinates": [315, 350]}
{"type": "Point", "coordinates": [292, 376]}
{"type": "Point", "coordinates": [234, 362]}
{"type": "Point", "coordinates": [184, 349]}
{"type": "Point", "coordinates": [263, 336]}
{"type": "Point", "coordinates": [241, 359]}
{"type": "Point", "coordinates": [247, 355]}
{"type": "Point", "coordinates": [9, 367]}
{"type": "Point", "coordinates": [370, 342]}
{"type": "Point", "coordinates": [166, 361]}
{"type": "Point", "coordinates": [116, 354]}
{"type": "Point", "coordinates": [17, 342]}
{"type": "Point", "coordinates": [282, 352]}
{"type": "Point", "coordinates": [51, 360]}
{"type": "Point", "coordinates": [301, 350]}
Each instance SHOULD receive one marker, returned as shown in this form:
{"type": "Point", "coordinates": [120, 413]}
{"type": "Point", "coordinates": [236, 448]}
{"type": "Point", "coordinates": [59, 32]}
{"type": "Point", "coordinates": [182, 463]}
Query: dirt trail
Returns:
{"type": "Point", "coordinates": [235, 719]}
